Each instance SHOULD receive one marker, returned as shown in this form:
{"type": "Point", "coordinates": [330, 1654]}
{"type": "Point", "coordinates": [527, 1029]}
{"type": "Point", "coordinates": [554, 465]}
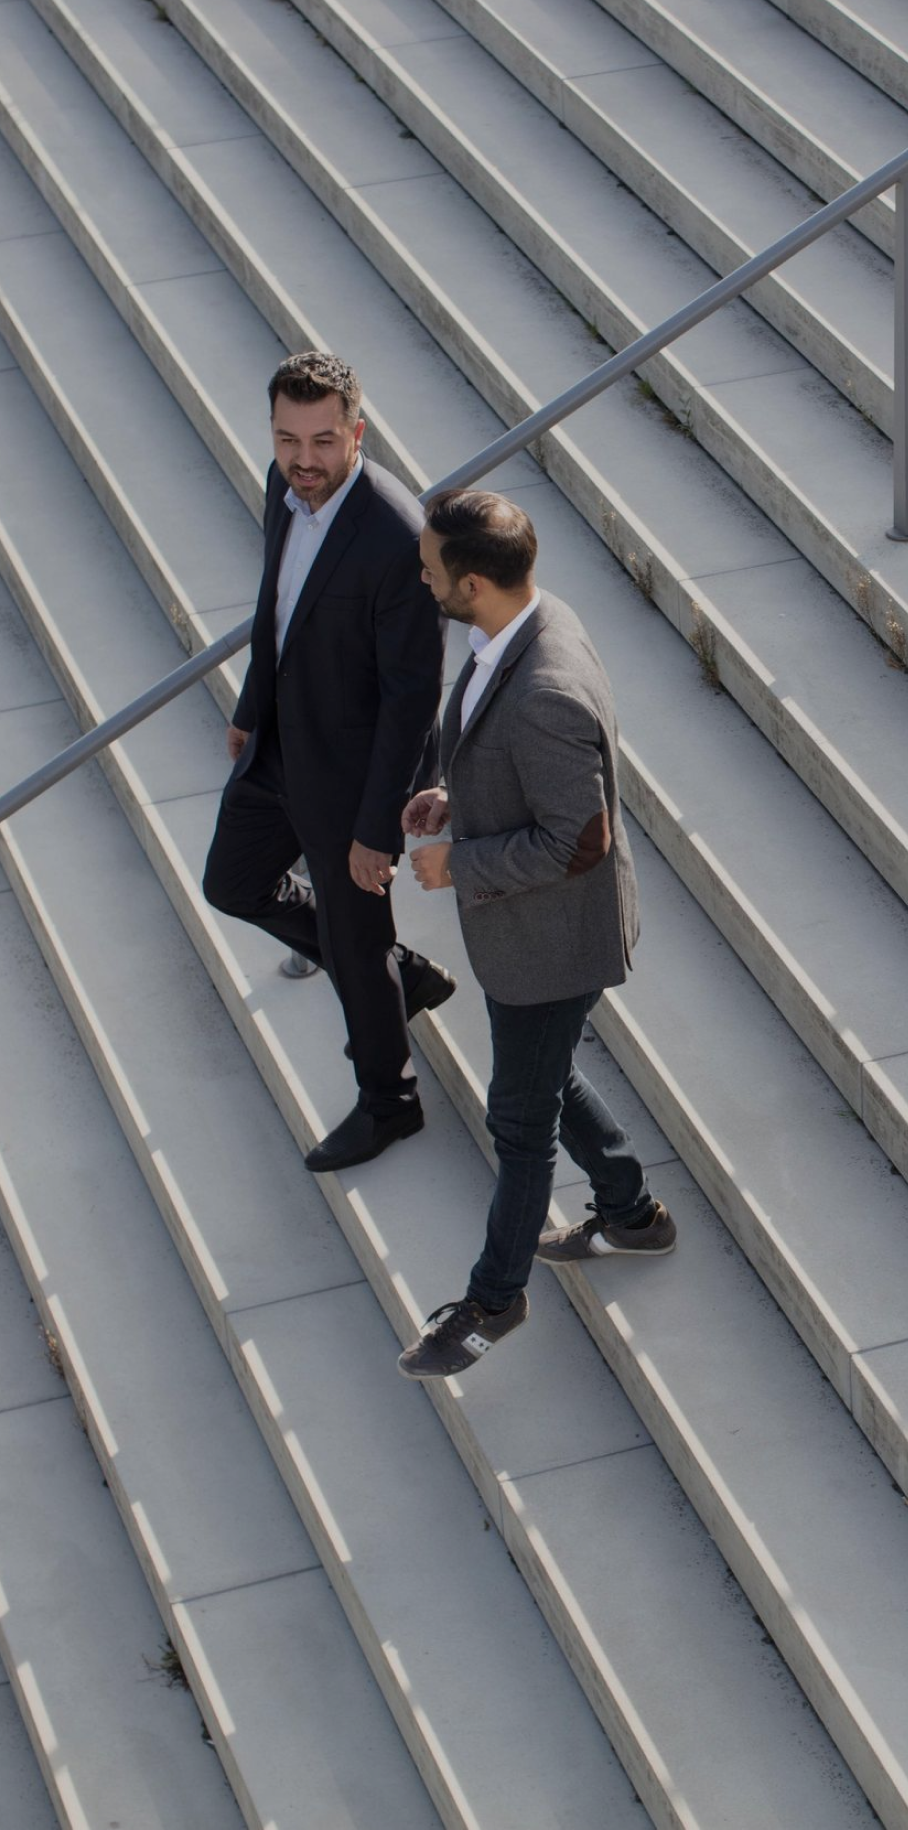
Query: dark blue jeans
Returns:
{"type": "Point", "coordinates": [536, 1094]}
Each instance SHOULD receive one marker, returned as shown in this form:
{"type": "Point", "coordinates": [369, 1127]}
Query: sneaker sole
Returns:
{"type": "Point", "coordinates": [611, 1251]}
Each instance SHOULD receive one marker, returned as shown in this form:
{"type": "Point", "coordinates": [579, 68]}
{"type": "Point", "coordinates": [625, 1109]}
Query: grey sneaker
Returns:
{"type": "Point", "coordinates": [598, 1238]}
{"type": "Point", "coordinates": [461, 1334]}
{"type": "Point", "coordinates": [297, 966]}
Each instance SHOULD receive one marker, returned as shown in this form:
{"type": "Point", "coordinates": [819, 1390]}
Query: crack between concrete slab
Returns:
{"type": "Point", "coordinates": [31, 705]}
{"type": "Point", "coordinates": [377, 184]}
{"type": "Point", "coordinates": [255, 1582]}
{"type": "Point", "coordinates": [196, 794]}
{"type": "Point", "coordinates": [880, 1060]}
{"type": "Point", "coordinates": [32, 1404]}
{"type": "Point", "coordinates": [275, 1302]}
{"type": "Point", "coordinates": [646, 63]}
{"type": "Point", "coordinates": [409, 44]}
{"type": "Point", "coordinates": [167, 279]}
{"type": "Point", "coordinates": [227, 139]}
{"type": "Point", "coordinates": [583, 1461]}
{"type": "Point", "coordinates": [30, 235]}
{"type": "Point", "coordinates": [859, 1352]}
{"type": "Point", "coordinates": [737, 381]}
{"type": "Point", "coordinates": [218, 609]}
{"type": "Point", "coordinates": [759, 565]}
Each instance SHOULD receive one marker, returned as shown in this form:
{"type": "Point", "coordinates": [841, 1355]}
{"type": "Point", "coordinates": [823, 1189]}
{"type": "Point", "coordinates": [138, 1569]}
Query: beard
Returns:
{"type": "Point", "coordinates": [316, 486]}
{"type": "Point", "coordinates": [457, 609]}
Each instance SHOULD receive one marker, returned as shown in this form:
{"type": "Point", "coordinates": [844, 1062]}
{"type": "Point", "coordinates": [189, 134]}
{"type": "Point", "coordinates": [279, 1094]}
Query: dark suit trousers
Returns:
{"type": "Point", "coordinates": [348, 931]}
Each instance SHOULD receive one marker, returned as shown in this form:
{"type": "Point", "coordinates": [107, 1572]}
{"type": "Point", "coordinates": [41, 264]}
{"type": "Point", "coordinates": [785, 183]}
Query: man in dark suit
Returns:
{"type": "Point", "coordinates": [547, 899]}
{"type": "Point", "coordinates": [333, 730]}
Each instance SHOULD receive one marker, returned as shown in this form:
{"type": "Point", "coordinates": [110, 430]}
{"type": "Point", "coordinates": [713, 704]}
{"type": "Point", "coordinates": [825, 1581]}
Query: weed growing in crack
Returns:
{"type": "Point", "coordinates": [703, 643]}
{"type": "Point", "coordinates": [169, 1666]}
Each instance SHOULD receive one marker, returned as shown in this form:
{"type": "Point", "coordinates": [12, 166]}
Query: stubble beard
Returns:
{"type": "Point", "coordinates": [316, 494]}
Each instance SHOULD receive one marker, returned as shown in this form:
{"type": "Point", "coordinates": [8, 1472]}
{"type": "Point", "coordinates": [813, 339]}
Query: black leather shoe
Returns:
{"type": "Point", "coordinates": [433, 987]}
{"type": "Point", "coordinates": [361, 1136]}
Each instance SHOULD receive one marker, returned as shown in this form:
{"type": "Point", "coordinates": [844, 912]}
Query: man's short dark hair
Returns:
{"type": "Point", "coordinates": [314, 375]}
{"type": "Point", "coordinates": [483, 533]}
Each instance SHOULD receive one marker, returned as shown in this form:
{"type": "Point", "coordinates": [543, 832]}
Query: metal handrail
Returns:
{"type": "Point", "coordinates": [895, 171]}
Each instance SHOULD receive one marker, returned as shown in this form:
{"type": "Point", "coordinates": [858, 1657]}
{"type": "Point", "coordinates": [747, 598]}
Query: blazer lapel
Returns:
{"type": "Point", "coordinates": [450, 724]}
{"type": "Point", "coordinates": [327, 559]}
{"type": "Point", "coordinates": [515, 648]}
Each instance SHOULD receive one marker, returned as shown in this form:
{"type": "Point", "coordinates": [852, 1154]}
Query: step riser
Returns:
{"type": "Point", "coordinates": [627, 538]}
{"type": "Point", "coordinates": [742, 461]}
{"type": "Point", "coordinates": [173, 1617]}
{"type": "Point", "coordinates": [862, 384]}
{"type": "Point", "coordinates": [810, 162]}
{"type": "Point", "coordinates": [134, 311]}
{"type": "Point", "coordinates": [292, 1103]}
{"type": "Point", "coordinates": [584, 488]}
{"type": "Point", "coordinates": [853, 41]}
{"type": "Point", "coordinates": [725, 1525]}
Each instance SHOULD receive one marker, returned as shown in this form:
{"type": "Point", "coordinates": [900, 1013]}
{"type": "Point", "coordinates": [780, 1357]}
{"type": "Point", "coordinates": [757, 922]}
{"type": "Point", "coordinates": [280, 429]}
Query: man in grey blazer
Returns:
{"type": "Point", "coordinates": [547, 899]}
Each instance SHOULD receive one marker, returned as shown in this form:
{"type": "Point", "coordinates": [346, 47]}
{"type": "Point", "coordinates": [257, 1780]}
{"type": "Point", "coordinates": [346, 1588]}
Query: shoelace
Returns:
{"type": "Point", "coordinates": [452, 1313]}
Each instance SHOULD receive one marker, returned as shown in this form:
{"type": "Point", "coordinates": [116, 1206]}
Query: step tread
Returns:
{"type": "Point", "coordinates": [874, 40]}
{"type": "Point", "coordinates": [581, 564]}
{"type": "Point", "coordinates": [800, 959]}
{"type": "Point", "coordinates": [793, 94]}
{"type": "Point", "coordinates": [26, 1803]}
{"type": "Point", "coordinates": [191, 1060]}
{"type": "Point", "coordinates": [29, 1386]}
{"type": "Point", "coordinates": [523, 155]}
{"type": "Point", "coordinates": [814, 681]}
{"type": "Point", "coordinates": [866, 768]}
{"type": "Point", "coordinates": [707, 179]}
{"type": "Point", "coordinates": [209, 1519]}
{"type": "Point", "coordinates": [111, 1738]}
{"type": "Point", "coordinates": [186, 821]}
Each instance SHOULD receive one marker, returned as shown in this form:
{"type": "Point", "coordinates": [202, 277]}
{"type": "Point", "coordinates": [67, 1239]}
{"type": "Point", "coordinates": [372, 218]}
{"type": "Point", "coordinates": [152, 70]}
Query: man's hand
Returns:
{"type": "Point", "coordinates": [426, 813]}
{"type": "Point", "coordinates": [430, 866]}
{"type": "Point", "coordinates": [370, 870]}
{"type": "Point", "coordinates": [236, 741]}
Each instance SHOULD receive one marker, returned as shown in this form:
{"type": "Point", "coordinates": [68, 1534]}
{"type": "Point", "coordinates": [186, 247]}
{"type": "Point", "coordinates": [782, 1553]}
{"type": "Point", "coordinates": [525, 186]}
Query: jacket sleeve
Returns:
{"type": "Point", "coordinates": [244, 717]}
{"type": "Point", "coordinates": [409, 657]}
{"type": "Point", "coordinates": [565, 773]}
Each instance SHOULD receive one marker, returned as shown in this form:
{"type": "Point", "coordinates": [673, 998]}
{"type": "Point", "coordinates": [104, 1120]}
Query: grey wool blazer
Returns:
{"type": "Point", "coordinates": [540, 861]}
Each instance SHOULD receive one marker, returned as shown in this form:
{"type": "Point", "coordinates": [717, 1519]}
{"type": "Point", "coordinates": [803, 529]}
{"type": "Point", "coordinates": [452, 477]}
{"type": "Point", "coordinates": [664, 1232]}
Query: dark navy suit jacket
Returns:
{"type": "Point", "coordinates": [356, 691]}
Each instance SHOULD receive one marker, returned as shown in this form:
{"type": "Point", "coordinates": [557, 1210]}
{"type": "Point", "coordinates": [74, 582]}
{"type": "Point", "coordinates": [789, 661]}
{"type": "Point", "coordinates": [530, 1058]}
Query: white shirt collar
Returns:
{"type": "Point", "coordinates": [322, 517]}
{"type": "Point", "coordinates": [488, 650]}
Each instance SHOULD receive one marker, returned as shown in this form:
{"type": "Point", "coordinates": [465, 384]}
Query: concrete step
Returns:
{"type": "Point", "coordinates": [237, 1583]}
{"type": "Point", "coordinates": [821, 119]}
{"type": "Point", "coordinates": [702, 563]}
{"type": "Point", "coordinates": [308, 1078]}
{"type": "Point", "coordinates": [871, 38]}
{"type": "Point", "coordinates": [705, 179]}
{"type": "Point", "coordinates": [272, 1271]}
{"type": "Point", "coordinates": [528, 1466]}
{"type": "Point", "coordinates": [80, 1638]}
{"type": "Point", "coordinates": [26, 1804]}
{"type": "Point", "coordinates": [27, 1381]}
{"type": "Point", "coordinates": [718, 825]}
{"type": "Point", "coordinates": [793, 444]}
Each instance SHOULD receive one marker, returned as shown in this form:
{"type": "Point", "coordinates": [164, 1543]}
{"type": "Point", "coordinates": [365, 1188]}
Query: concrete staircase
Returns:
{"type": "Point", "coordinates": [674, 1509]}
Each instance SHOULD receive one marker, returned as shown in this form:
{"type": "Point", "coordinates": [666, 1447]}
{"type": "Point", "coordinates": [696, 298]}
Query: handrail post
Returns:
{"type": "Point", "coordinates": [899, 528]}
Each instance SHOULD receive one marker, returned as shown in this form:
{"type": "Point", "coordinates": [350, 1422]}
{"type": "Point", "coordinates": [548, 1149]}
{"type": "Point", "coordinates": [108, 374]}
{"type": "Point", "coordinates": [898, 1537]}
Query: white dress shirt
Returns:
{"type": "Point", "coordinates": [305, 534]}
{"type": "Point", "coordinates": [487, 652]}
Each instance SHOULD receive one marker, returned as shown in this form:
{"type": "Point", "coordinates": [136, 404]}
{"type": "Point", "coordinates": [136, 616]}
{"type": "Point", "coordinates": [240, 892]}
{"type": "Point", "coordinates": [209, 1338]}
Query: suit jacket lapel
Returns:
{"type": "Point", "coordinates": [328, 557]}
{"type": "Point", "coordinates": [515, 648]}
{"type": "Point", "coordinates": [450, 725]}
